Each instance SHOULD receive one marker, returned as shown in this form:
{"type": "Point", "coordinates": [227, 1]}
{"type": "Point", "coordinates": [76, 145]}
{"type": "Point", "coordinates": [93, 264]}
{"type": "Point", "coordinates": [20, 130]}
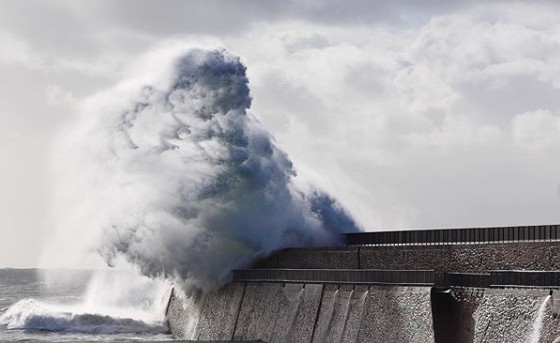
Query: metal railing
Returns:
{"type": "Point", "coordinates": [471, 280]}
{"type": "Point", "coordinates": [542, 233]}
{"type": "Point", "coordinates": [504, 278]}
{"type": "Point", "coordinates": [354, 276]}
{"type": "Point", "coordinates": [493, 279]}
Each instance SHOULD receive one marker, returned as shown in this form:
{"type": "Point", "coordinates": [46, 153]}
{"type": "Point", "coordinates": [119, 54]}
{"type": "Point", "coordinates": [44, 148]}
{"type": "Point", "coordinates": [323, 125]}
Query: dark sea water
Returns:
{"type": "Point", "coordinates": [64, 305]}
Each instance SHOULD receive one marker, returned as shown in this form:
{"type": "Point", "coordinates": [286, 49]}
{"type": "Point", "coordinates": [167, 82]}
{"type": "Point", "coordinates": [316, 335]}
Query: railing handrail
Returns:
{"type": "Point", "coordinates": [480, 235]}
{"type": "Point", "coordinates": [339, 276]}
{"type": "Point", "coordinates": [504, 278]}
{"type": "Point", "coordinates": [491, 279]}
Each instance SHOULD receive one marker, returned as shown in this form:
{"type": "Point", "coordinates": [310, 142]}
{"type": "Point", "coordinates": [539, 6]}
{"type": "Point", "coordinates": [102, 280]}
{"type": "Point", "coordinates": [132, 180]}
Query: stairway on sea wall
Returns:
{"type": "Point", "coordinates": [287, 312]}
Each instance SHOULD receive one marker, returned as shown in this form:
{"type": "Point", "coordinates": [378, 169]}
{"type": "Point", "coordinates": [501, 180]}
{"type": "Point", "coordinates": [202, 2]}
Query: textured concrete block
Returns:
{"type": "Point", "coordinates": [183, 313]}
{"type": "Point", "coordinates": [464, 258]}
{"type": "Point", "coordinates": [512, 316]}
{"type": "Point", "coordinates": [319, 258]}
{"type": "Point", "coordinates": [259, 308]}
{"type": "Point", "coordinates": [330, 294]}
{"type": "Point", "coordinates": [287, 311]}
{"type": "Point", "coordinates": [219, 313]}
{"type": "Point", "coordinates": [355, 314]}
{"type": "Point", "coordinates": [397, 314]}
{"type": "Point", "coordinates": [307, 314]}
{"type": "Point", "coordinates": [340, 313]}
{"type": "Point", "coordinates": [451, 258]}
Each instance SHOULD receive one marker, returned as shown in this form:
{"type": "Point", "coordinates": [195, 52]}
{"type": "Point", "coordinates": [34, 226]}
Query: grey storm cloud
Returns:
{"type": "Point", "coordinates": [51, 20]}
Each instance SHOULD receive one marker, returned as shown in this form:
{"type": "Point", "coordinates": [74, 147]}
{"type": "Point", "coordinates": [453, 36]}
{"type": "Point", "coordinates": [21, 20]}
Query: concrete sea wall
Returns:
{"type": "Point", "coordinates": [311, 313]}
{"type": "Point", "coordinates": [451, 258]}
{"type": "Point", "coordinates": [307, 313]}
{"type": "Point", "coordinates": [293, 310]}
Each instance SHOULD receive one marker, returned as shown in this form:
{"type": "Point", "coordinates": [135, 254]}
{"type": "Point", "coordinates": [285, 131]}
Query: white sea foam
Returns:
{"type": "Point", "coordinates": [116, 302]}
{"type": "Point", "coordinates": [30, 314]}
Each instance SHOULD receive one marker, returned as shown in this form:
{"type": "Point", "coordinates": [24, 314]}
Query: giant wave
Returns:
{"type": "Point", "coordinates": [177, 176]}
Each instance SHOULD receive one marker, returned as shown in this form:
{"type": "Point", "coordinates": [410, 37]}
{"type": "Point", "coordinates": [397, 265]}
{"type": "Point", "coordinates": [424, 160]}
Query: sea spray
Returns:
{"type": "Point", "coordinates": [172, 172]}
{"type": "Point", "coordinates": [539, 322]}
{"type": "Point", "coordinates": [34, 315]}
{"type": "Point", "coordinates": [115, 302]}
{"type": "Point", "coordinates": [124, 293]}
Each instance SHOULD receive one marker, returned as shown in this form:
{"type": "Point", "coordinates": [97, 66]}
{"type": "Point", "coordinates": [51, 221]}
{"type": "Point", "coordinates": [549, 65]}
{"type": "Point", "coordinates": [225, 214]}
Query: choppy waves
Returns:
{"type": "Point", "coordinates": [33, 315]}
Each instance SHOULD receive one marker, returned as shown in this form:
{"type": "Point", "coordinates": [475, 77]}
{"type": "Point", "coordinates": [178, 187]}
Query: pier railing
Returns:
{"type": "Point", "coordinates": [492, 279]}
{"type": "Point", "coordinates": [470, 280]}
{"type": "Point", "coordinates": [353, 276]}
{"type": "Point", "coordinates": [504, 279]}
{"type": "Point", "coordinates": [542, 233]}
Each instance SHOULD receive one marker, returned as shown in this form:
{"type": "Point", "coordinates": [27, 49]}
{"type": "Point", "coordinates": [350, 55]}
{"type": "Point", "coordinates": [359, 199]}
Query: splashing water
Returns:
{"type": "Point", "coordinates": [539, 322]}
{"type": "Point", "coordinates": [182, 180]}
{"type": "Point", "coordinates": [116, 302]}
{"type": "Point", "coordinates": [34, 315]}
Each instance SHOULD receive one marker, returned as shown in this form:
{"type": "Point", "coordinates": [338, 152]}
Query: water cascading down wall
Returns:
{"type": "Point", "coordinates": [295, 312]}
{"type": "Point", "coordinates": [431, 293]}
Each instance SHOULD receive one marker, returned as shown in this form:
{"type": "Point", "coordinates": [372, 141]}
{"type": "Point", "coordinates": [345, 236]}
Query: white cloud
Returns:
{"type": "Point", "coordinates": [57, 96]}
{"type": "Point", "coordinates": [16, 50]}
{"type": "Point", "coordinates": [357, 103]}
{"type": "Point", "coordinates": [454, 136]}
{"type": "Point", "coordinates": [536, 131]}
{"type": "Point", "coordinates": [411, 114]}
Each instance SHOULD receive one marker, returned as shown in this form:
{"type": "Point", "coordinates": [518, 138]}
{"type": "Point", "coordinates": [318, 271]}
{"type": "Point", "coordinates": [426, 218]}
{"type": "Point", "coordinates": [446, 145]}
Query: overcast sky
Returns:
{"type": "Point", "coordinates": [412, 114]}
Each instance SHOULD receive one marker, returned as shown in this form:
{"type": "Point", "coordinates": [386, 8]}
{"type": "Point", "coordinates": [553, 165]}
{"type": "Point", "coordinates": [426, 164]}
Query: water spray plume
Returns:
{"type": "Point", "coordinates": [184, 182]}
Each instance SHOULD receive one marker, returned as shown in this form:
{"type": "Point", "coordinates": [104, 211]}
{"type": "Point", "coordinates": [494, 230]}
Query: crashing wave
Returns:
{"type": "Point", "coordinates": [33, 315]}
{"type": "Point", "coordinates": [185, 182]}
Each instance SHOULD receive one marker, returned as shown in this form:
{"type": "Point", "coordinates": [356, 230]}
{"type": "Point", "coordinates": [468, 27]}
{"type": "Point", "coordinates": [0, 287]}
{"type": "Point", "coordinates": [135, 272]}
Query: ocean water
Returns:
{"type": "Point", "coordinates": [64, 305]}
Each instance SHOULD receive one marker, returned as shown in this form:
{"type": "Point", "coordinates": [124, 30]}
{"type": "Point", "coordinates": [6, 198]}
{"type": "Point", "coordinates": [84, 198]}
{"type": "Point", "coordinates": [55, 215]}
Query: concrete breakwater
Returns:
{"type": "Point", "coordinates": [277, 312]}
{"type": "Point", "coordinates": [492, 285]}
{"type": "Point", "coordinates": [311, 313]}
